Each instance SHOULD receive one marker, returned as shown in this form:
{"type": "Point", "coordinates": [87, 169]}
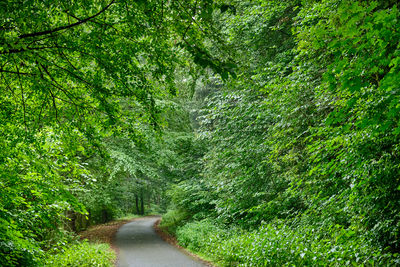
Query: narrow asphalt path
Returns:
{"type": "Point", "coordinates": [140, 246]}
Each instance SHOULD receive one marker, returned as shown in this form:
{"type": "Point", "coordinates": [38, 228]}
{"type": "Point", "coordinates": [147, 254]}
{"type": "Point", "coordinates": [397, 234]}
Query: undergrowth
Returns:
{"type": "Point", "coordinates": [173, 219]}
{"type": "Point", "coordinates": [281, 244]}
{"type": "Point", "coordinates": [83, 254]}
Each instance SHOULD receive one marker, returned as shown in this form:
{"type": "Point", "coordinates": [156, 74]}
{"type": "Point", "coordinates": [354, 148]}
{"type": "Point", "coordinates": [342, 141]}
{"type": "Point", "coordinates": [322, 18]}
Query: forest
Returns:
{"type": "Point", "coordinates": [267, 132]}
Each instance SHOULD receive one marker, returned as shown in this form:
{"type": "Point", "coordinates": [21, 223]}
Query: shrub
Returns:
{"type": "Point", "coordinates": [200, 236]}
{"type": "Point", "coordinates": [83, 254]}
{"type": "Point", "coordinates": [173, 219]}
{"type": "Point", "coordinates": [17, 248]}
{"type": "Point", "coordinates": [283, 244]}
{"type": "Point", "coordinates": [18, 252]}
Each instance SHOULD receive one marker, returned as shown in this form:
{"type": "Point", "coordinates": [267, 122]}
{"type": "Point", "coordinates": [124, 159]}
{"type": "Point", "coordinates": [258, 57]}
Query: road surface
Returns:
{"type": "Point", "coordinates": [140, 246]}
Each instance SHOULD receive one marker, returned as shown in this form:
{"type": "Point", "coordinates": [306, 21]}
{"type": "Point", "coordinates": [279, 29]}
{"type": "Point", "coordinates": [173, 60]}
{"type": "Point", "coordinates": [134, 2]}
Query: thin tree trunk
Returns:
{"type": "Point", "coordinates": [141, 202]}
{"type": "Point", "coordinates": [137, 204]}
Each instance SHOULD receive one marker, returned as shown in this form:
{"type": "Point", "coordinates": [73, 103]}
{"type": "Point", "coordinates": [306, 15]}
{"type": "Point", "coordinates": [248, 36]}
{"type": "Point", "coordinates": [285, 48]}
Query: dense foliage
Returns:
{"type": "Point", "coordinates": [85, 94]}
{"type": "Point", "coordinates": [301, 150]}
{"type": "Point", "coordinates": [85, 255]}
{"type": "Point", "coordinates": [270, 127]}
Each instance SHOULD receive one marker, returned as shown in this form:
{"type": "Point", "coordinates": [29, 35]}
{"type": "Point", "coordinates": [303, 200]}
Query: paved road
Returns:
{"type": "Point", "coordinates": [140, 246]}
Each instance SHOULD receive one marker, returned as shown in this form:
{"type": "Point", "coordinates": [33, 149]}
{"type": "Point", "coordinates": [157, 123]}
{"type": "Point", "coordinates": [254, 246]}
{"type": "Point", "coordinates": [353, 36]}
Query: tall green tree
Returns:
{"type": "Point", "coordinates": [304, 141]}
{"type": "Point", "coordinates": [75, 75]}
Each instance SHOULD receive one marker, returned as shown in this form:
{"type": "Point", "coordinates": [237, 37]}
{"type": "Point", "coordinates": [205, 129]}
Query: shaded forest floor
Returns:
{"type": "Point", "coordinates": [105, 233]}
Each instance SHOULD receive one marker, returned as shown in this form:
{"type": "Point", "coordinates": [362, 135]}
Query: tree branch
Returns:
{"type": "Point", "coordinates": [7, 84]}
{"type": "Point", "coordinates": [62, 54]}
{"type": "Point", "coordinates": [17, 72]}
{"type": "Point", "coordinates": [58, 86]}
{"type": "Point", "coordinates": [52, 96]}
{"type": "Point", "coordinates": [22, 94]}
{"type": "Point", "coordinates": [44, 104]}
{"type": "Point", "coordinates": [34, 34]}
{"type": "Point", "coordinates": [66, 70]}
{"type": "Point", "coordinates": [20, 50]}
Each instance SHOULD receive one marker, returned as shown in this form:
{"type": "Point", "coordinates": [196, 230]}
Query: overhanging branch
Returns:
{"type": "Point", "coordinates": [34, 34]}
{"type": "Point", "coordinates": [17, 72]}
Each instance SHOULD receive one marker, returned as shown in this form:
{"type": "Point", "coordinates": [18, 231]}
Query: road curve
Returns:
{"type": "Point", "coordinates": [140, 246]}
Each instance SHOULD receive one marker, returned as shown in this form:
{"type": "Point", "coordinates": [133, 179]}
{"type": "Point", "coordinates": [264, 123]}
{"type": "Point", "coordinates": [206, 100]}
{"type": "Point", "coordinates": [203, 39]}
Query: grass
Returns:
{"type": "Point", "coordinates": [95, 247]}
{"type": "Point", "coordinates": [83, 254]}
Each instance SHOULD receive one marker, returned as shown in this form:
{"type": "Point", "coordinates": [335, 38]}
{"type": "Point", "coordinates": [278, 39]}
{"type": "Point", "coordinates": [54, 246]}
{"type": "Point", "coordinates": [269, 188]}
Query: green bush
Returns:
{"type": "Point", "coordinates": [281, 244]}
{"type": "Point", "coordinates": [17, 249]}
{"type": "Point", "coordinates": [19, 252]}
{"type": "Point", "coordinates": [83, 254]}
{"type": "Point", "coordinates": [173, 219]}
{"type": "Point", "coordinates": [199, 236]}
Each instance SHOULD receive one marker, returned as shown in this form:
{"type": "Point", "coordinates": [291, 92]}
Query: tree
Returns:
{"type": "Point", "coordinates": [304, 141]}
{"type": "Point", "coordinates": [73, 74]}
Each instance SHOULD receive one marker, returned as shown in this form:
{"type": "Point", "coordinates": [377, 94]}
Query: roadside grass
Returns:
{"type": "Point", "coordinates": [94, 246]}
{"type": "Point", "coordinates": [278, 243]}
{"type": "Point", "coordinates": [167, 227]}
{"type": "Point", "coordinates": [83, 254]}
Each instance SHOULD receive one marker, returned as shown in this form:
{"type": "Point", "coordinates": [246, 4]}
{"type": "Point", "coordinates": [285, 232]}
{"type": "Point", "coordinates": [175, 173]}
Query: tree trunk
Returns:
{"type": "Point", "coordinates": [141, 202]}
{"type": "Point", "coordinates": [105, 216]}
{"type": "Point", "coordinates": [137, 204]}
{"type": "Point", "coordinates": [73, 221]}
